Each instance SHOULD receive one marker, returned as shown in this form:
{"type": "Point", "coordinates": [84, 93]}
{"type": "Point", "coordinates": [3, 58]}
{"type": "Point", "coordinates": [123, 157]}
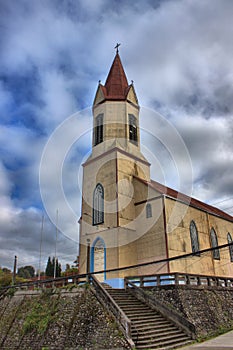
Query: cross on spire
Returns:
{"type": "Point", "coordinates": [116, 47]}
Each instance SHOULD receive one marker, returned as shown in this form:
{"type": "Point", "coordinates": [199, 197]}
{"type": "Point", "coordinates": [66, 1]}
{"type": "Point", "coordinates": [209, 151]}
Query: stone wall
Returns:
{"type": "Point", "coordinates": [56, 320]}
{"type": "Point", "coordinates": [209, 309]}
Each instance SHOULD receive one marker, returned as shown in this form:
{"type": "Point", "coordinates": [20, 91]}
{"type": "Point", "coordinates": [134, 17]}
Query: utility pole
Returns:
{"type": "Point", "coordinates": [55, 259]}
{"type": "Point", "coordinates": [88, 261]}
{"type": "Point", "coordinates": [14, 271]}
{"type": "Point", "coordinates": [41, 236]}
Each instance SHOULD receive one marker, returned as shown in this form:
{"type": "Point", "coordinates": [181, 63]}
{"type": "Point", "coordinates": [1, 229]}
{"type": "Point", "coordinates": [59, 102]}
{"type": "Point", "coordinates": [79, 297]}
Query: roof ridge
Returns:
{"type": "Point", "coordinates": [181, 196]}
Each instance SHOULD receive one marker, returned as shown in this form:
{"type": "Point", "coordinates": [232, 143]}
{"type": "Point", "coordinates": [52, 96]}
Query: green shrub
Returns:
{"type": "Point", "coordinates": [41, 315]}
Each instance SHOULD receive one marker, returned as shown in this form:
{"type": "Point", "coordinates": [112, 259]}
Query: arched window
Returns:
{"type": "Point", "coordinates": [214, 243]}
{"type": "Point", "coordinates": [194, 237]}
{"type": "Point", "coordinates": [98, 258]}
{"type": "Point", "coordinates": [98, 205]}
{"type": "Point", "coordinates": [148, 210]}
{"type": "Point", "coordinates": [133, 135]}
{"type": "Point", "coordinates": [229, 240]}
{"type": "Point", "coordinates": [98, 133]}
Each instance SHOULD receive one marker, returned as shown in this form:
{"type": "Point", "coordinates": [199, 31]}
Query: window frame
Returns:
{"type": "Point", "coordinates": [148, 211]}
{"type": "Point", "coordinates": [194, 238]}
{"type": "Point", "coordinates": [99, 129]}
{"type": "Point", "coordinates": [133, 129]}
{"type": "Point", "coordinates": [214, 243]}
{"type": "Point", "coordinates": [229, 240]}
{"type": "Point", "coordinates": [98, 205]}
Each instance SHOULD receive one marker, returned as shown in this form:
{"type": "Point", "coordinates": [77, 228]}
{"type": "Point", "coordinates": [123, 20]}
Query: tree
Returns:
{"type": "Point", "coordinates": [58, 268]}
{"type": "Point", "coordinates": [6, 270]}
{"type": "Point", "coordinates": [22, 272]}
{"type": "Point", "coordinates": [70, 270]}
{"type": "Point", "coordinates": [50, 268]}
{"type": "Point", "coordinates": [5, 277]}
{"type": "Point", "coordinates": [26, 272]}
{"type": "Point", "coordinates": [31, 270]}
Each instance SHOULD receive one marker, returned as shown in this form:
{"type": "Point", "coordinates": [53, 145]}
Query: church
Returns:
{"type": "Point", "coordinates": [128, 218]}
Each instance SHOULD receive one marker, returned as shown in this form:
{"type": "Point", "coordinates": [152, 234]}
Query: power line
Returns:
{"type": "Point", "coordinates": [177, 257]}
{"type": "Point", "coordinates": [224, 200]}
{"type": "Point", "coordinates": [227, 208]}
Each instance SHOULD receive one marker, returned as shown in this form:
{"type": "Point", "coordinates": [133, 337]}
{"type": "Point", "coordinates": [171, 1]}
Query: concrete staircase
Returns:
{"type": "Point", "coordinates": [150, 330]}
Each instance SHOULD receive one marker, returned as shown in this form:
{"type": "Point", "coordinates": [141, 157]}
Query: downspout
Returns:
{"type": "Point", "coordinates": [208, 224]}
{"type": "Point", "coordinates": [117, 209]}
{"type": "Point", "coordinates": [165, 232]}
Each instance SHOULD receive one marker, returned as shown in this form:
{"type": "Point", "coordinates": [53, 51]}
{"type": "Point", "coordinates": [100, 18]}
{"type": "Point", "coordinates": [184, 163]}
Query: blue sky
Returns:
{"type": "Point", "coordinates": [179, 54]}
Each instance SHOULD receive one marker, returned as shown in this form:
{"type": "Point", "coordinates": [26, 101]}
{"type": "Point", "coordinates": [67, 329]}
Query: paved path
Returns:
{"type": "Point", "coordinates": [222, 342]}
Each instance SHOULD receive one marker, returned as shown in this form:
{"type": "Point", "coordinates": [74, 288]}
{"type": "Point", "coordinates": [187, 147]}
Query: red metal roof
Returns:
{"type": "Point", "coordinates": [186, 199]}
{"type": "Point", "coordinates": [116, 86]}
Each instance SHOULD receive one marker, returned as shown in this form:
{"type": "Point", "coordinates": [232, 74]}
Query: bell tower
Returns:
{"type": "Point", "coordinates": [108, 209]}
{"type": "Point", "coordinates": [116, 114]}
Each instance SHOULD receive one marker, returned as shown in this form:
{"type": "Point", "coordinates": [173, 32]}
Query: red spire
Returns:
{"type": "Point", "coordinates": [116, 85]}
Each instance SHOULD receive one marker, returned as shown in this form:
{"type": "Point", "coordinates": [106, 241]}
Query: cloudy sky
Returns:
{"type": "Point", "coordinates": [52, 54]}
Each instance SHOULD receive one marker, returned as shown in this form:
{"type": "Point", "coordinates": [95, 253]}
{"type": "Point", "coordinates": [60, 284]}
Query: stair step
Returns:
{"type": "Point", "coordinates": [162, 343]}
{"type": "Point", "coordinates": [123, 299]}
{"type": "Point", "coordinates": [159, 339]}
{"type": "Point", "coordinates": [146, 327]}
{"type": "Point", "coordinates": [164, 347]}
{"type": "Point", "coordinates": [139, 314]}
{"type": "Point", "coordinates": [151, 323]}
{"type": "Point", "coordinates": [134, 311]}
{"type": "Point", "coordinates": [146, 318]}
{"type": "Point", "coordinates": [150, 330]}
{"type": "Point", "coordinates": [155, 333]}
{"type": "Point", "coordinates": [132, 304]}
{"type": "Point", "coordinates": [126, 296]}
{"type": "Point", "coordinates": [136, 308]}
{"type": "Point", "coordinates": [164, 330]}
{"type": "Point", "coordinates": [131, 301]}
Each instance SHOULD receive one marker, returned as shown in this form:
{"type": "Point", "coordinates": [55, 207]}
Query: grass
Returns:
{"type": "Point", "coordinates": [41, 315]}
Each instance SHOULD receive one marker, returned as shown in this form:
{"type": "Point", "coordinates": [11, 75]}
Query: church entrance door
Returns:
{"type": "Point", "coordinates": [98, 258]}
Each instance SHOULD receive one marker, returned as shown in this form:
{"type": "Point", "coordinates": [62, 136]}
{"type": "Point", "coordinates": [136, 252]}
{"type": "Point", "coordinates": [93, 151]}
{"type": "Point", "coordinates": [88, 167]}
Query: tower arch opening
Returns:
{"type": "Point", "coordinates": [98, 258]}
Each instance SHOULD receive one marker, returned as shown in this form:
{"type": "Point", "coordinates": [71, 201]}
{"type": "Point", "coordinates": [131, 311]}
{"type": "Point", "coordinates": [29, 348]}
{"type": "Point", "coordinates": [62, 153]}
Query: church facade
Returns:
{"type": "Point", "coordinates": [129, 219]}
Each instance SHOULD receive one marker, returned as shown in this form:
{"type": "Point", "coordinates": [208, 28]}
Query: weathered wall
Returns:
{"type": "Point", "coordinates": [210, 310]}
{"type": "Point", "coordinates": [178, 217]}
{"type": "Point", "coordinates": [56, 321]}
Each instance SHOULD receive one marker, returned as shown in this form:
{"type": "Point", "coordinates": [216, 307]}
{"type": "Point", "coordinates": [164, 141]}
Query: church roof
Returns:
{"type": "Point", "coordinates": [170, 192]}
{"type": "Point", "coordinates": [116, 86]}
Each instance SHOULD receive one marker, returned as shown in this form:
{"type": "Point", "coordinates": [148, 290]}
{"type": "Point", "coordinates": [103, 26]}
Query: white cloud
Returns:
{"type": "Point", "coordinates": [53, 53]}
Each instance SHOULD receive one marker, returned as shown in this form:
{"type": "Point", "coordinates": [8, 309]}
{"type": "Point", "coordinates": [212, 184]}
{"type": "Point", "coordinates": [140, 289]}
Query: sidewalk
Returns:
{"type": "Point", "coordinates": [222, 342]}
